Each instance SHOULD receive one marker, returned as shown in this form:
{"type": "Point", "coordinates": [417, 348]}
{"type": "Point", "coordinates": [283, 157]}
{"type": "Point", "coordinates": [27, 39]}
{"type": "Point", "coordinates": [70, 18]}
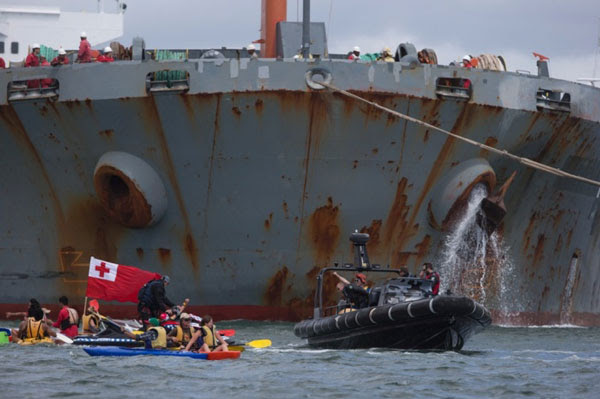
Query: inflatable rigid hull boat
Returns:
{"type": "Point", "coordinates": [440, 322]}
{"type": "Point", "coordinates": [401, 312]}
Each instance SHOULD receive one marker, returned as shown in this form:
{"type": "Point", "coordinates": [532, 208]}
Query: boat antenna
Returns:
{"type": "Point", "coordinates": [306, 29]}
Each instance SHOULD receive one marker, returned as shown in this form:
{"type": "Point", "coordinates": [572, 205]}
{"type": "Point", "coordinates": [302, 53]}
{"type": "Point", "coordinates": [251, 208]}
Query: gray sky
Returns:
{"type": "Point", "coordinates": [564, 30]}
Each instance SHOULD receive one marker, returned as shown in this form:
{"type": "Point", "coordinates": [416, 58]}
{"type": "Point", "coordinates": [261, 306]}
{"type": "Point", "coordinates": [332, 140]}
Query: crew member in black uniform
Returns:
{"type": "Point", "coordinates": [153, 300]}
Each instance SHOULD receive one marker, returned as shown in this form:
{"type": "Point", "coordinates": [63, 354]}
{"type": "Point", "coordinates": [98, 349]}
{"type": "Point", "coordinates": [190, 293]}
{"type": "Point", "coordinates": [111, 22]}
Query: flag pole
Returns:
{"type": "Point", "coordinates": [84, 309]}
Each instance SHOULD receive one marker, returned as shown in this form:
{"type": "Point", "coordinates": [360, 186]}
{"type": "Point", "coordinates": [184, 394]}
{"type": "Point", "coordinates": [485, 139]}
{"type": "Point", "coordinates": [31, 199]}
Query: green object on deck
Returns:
{"type": "Point", "coordinates": [170, 76]}
{"type": "Point", "coordinates": [48, 52]}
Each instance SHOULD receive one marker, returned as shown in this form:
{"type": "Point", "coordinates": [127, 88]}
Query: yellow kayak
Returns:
{"type": "Point", "coordinates": [33, 341]}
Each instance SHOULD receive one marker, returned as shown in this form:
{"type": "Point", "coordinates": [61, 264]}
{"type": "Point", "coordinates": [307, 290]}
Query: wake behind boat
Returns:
{"type": "Point", "coordinates": [400, 313]}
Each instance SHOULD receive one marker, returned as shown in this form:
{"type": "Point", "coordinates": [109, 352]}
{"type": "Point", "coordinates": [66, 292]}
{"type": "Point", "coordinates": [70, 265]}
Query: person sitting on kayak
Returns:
{"type": "Point", "coordinates": [197, 344]}
{"type": "Point", "coordinates": [356, 292]}
{"type": "Point", "coordinates": [213, 341]}
{"type": "Point", "coordinates": [33, 328]}
{"type": "Point", "coordinates": [155, 336]}
{"type": "Point", "coordinates": [67, 320]}
{"type": "Point", "coordinates": [182, 334]}
{"type": "Point", "coordinates": [153, 300]}
{"type": "Point", "coordinates": [91, 321]}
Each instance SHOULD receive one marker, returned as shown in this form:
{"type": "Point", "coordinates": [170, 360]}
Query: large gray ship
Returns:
{"type": "Point", "coordinates": [241, 178]}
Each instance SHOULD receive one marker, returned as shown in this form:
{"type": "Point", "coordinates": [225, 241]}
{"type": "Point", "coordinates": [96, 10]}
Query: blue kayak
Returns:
{"type": "Point", "coordinates": [122, 351]}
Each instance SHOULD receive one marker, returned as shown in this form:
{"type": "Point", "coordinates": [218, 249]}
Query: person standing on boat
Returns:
{"type": "Point", "coordinates": [2, 63]}
{"type": "Point", "coordinates": [153, 300]}
{"type": "Point", "coordinates": [356, 292]}
{"type": "Point", "coordinates": [67, 320]}
{"type": "Point", "coordinates": [85, 50]}
{"type": "Point", "coordinates": [429, 274]}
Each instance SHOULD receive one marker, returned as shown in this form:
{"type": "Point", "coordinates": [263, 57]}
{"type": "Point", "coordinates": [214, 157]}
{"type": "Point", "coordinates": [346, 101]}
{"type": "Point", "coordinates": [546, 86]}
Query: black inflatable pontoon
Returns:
{"type": "Point", "coordinates": [401, 313]}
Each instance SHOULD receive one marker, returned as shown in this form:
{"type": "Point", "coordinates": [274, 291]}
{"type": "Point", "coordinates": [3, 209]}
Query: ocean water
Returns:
{"type": "Point", "coordinates": [501, 362]}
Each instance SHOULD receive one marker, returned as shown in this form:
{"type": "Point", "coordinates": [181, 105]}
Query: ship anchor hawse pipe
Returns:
{"type": "Point", "coordinates": [493, 208]}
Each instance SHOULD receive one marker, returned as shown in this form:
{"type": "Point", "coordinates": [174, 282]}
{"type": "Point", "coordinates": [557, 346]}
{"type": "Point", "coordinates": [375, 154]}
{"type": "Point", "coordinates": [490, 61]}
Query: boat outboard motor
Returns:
{"type": "Point", "coordinates": [361, 258]}
{"type": "Point", "coordinates": [493, 208]}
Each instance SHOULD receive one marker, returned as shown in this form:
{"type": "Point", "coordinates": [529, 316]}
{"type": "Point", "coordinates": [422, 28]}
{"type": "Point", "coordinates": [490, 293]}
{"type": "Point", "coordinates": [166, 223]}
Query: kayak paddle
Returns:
{"type": "Point", "coordinates": [259, 343]}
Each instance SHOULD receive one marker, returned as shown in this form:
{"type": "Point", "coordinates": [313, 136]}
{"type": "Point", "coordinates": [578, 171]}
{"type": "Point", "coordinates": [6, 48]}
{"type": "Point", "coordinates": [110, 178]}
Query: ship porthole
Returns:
{"type": "Point", "coordinates": [129, 189]}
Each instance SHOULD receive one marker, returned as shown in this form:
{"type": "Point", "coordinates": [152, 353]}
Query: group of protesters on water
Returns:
{"type": "Point", "coordinates": [163, 323]}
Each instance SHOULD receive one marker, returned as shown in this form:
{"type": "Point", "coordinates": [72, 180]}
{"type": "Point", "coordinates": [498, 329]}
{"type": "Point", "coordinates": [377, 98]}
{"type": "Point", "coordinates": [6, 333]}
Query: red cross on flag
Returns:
{"type": "Point", "coordinates": [113, 282]}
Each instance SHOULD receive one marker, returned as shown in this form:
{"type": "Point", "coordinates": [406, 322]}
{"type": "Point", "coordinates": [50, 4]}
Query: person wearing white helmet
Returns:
{"type": "Point", "coordinates": [355, 54]}
{"type": "Point", "coordinates": [467, 61]}
{"type": "Point", "coordinates": [107, 56]}
{"type": "Point", "coordinates": [252, 51]}
{"type": "Point", "coordinates": [60, 59]}
{"type": "Point", "coordinates": [33, 59]}
{"type": "Point", "coordinates": [85, 50]}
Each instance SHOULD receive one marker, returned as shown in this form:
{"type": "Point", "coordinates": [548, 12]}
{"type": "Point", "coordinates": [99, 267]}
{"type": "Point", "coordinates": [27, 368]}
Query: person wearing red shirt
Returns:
{"type": "Point", "coordinates": [355, 54]}
{"type": "Point", "coordinates": [85, 50]}
{"type": "Point", "coordinates": [33, 60]}
{"type": "Point", "coordinates": [68, 319]}
{"type": "Point", "coordinates": [107, 56]}
{"type": "Point", "coordinates": [47, 82]}
{"type": "Point", "coordinates": [428, 274]}
{"type": "Point", "coordinates": [2, 63]}
{"type": "Point", "coordinates": [61, 58]}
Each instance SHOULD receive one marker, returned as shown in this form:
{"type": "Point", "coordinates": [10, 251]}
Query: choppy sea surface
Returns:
{"type": "Point", "coordinates": [501, 362]}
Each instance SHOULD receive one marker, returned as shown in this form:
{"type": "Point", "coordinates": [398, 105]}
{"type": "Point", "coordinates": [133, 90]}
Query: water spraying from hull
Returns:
{"type": "Point", "coordinates": [476, 264]}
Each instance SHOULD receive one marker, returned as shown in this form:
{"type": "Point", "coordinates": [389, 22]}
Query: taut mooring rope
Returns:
{"type": "Point", "coordinates": [525, 161]}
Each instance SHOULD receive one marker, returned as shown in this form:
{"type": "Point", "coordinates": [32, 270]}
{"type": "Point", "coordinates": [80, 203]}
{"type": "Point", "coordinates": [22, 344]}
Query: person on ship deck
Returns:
{"type": "Point", "coordinates": [61, 58]}
{"type": "Point", "coordinates": [107, 56]}
{"type": "Point", "coordinates": [355, 54]}
{"type": "Point", "coordinates": [85, 50]}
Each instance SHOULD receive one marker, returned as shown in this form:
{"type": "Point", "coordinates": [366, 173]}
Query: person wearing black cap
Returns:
{"type": "Point", "coordinates": [152, 299]}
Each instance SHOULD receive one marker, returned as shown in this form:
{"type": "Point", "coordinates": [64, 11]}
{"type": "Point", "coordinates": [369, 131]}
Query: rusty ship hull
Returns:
{"type": "Point", "coordinates": [264, 177]}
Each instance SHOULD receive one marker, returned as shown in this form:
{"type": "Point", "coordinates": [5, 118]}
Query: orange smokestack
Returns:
{"type": "Point", "coordinates": [273, 11]}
